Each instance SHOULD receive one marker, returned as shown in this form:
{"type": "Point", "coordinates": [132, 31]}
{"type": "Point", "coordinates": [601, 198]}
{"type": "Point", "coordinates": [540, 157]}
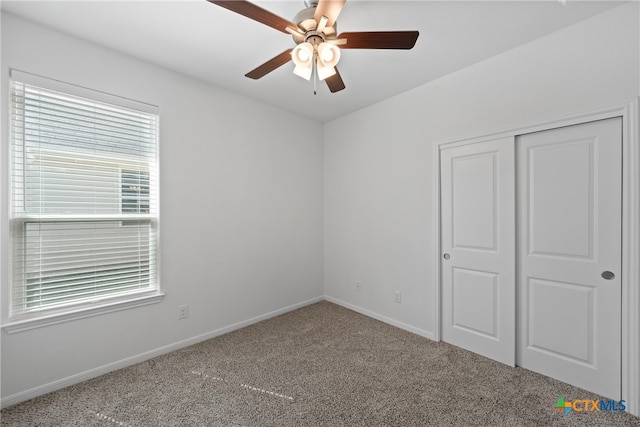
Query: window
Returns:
{"type": "Point", "coordinates": [84, 198]}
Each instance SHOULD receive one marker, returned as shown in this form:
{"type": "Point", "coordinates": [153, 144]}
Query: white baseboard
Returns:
{"type": "Point", "coordinates": [101, 370]}
{"type": "Point", "coordinates": [382, 318]}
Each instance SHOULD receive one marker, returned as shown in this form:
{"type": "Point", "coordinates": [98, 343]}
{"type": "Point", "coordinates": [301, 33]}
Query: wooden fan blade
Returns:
{"type": "Point", "coordinates": [256, 13]}
{"type": "Point", "coordinates": [335, 82]}
{"type": "Point", "coordinates": [379, 40]}
{"type": "Point", "coordinates": [329, 8]}
{"type": "Point", "coordinates": [270, 65]}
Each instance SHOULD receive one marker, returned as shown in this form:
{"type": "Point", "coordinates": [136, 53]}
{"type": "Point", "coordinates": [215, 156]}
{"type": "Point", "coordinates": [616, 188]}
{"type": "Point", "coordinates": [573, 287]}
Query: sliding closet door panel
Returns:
{"type": "Point", "coordinates": [478, 244]}
{"type": "Point", "coordinates": [569, 254]}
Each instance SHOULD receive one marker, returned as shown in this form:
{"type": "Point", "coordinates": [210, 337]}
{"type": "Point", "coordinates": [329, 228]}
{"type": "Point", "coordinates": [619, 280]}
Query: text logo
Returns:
{"type": "Point", "coordinates": [589, 405]}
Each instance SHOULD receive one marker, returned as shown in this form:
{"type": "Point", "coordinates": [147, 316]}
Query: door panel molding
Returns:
{"type": "Point", "coordinates": [482, 215]}
{"type": "Point", "coordinates": [484, 290]}
{"type": "Point", "coordinates": [572, 221]}
{"type": "Point", "coordinates": [630, 113]}
{"type": "Point", "coordinates": [579, 330]}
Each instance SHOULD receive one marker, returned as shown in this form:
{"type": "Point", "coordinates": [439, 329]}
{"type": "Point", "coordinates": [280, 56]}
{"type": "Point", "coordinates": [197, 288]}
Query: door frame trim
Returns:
{"type": "Point", "coordinates": [630, 113]}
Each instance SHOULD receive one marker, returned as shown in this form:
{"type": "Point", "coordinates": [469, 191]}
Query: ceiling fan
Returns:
{"type": "Point", "coordinates": [318, 45]}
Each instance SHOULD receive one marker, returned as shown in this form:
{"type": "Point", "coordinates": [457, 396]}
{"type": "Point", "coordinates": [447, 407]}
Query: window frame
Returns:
{"type": "Point", "coordinates": [81, 309]}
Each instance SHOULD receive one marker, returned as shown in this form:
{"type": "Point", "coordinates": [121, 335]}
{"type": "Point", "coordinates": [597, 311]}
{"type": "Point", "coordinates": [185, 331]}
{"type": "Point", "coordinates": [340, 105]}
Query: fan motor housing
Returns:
{"type": "Point", "coordinates": [307, 23]}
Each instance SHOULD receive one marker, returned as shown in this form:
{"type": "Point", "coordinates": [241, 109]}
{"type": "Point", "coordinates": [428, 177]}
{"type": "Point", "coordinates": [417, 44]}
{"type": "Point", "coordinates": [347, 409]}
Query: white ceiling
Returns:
{"type": "Point", "coordinates": [215, 45]}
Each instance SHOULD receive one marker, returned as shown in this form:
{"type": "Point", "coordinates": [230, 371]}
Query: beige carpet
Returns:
{"type": "Point", "coordinates": [322, 365]}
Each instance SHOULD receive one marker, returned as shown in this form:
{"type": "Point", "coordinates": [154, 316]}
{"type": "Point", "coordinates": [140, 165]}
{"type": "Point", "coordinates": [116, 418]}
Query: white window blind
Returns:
{"type": "Point", "coordinates": [84, 203]}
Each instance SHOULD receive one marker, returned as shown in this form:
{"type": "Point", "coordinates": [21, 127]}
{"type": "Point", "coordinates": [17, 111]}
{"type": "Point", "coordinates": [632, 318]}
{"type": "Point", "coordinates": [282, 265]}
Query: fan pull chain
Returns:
{"type": "Point", "coordinates": [315, 75]}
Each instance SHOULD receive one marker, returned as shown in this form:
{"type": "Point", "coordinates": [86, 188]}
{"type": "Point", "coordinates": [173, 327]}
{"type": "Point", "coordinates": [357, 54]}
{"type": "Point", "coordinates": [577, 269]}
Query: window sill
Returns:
{"type": "Point", "coordinates": [53, 319]}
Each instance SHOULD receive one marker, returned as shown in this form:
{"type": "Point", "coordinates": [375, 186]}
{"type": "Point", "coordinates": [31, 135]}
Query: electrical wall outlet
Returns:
{"type": "Point", "coordinates": [358, 285]}
{"type": "Point", "coordinates": [397, 297]}
{"type": "Point", "coordinates": [183, 311]}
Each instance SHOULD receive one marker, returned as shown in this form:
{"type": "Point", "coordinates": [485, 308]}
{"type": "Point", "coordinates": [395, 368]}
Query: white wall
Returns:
{"type": "Point", "coordinates": [379, 179]}
{"type": "Point", "coordinates": [241, 213]}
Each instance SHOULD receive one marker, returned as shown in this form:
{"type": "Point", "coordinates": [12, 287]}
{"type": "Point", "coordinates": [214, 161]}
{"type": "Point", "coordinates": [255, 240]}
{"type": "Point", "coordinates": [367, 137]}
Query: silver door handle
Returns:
{"type": "Point", "coordinates": [608, 275]}
{"type": "Point", "coordinates": [446, 256]}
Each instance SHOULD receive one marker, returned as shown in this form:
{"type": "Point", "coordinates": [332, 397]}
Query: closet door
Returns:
{"type": "Point", "coordinates": [478, 248]}
{"type": "Point", "coordinates": [569, 254]}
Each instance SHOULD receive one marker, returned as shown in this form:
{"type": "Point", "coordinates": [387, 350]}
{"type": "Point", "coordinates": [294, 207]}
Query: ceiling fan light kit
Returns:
{"type": "Point", "coordinates": [328, 54]}
{"type": "Point", "coordinates": [302, 56]}
{"type": "Point", "coordinates": [324, 56]}
{"type": "Point", "coordinates": [314, 32]}
{"type": "Point", "coordinates": [324, 72]}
